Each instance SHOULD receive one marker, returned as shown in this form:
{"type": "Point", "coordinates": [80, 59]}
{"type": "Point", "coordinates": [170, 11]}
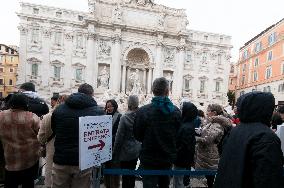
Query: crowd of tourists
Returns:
{"type": "Point", "coordinates": [245, 149]}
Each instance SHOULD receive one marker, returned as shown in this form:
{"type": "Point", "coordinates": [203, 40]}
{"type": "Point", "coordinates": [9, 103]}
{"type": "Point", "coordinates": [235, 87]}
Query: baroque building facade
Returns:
{"type": "Point", "coordinates": [120, 47]}
{"type": "Point", "coordinates": [9, 61]}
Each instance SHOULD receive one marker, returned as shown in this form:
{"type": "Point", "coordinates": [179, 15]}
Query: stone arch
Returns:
{"type": "Point", "coordinates": [141, 47]}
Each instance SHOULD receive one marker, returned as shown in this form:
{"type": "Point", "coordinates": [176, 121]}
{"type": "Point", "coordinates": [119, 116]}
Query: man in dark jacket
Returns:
{"type": "Point", "coordinates": [65, 125]}
{"type": "Point", "coordinates": [36, 104]}
{"type": "Point", "coordinates": [156, 126]}
{"type": "Point", "coordinates": [252, 156]}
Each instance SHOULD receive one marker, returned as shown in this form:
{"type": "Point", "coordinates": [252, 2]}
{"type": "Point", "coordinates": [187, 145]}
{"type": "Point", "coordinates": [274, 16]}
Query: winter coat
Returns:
{"type": "Point", "coordinates": [65, 125]}
{"type": "Point", "coordinates": [207, 154]}
{"type": "Point", "coordinates": [35, 104]}
{"type": "Point", "coordinates": [115, 122]}
{"type": "Point", "coordinates": [252, 156]}
{"type": "Point", "coordinates": [186, 136]}
{"type": "Point", "coordinates": [158, 133]}
{"type": "Point", "coordinates": [126, 147]}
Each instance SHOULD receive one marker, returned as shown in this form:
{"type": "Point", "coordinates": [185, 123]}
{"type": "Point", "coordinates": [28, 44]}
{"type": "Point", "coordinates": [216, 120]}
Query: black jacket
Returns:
{"type": "Point", "coordinates": [65, 124]}
{"type": "Point", "coordinates": [186, 136]}
{"type": "Point", "coordinates": [37, 106]}
{"type": "Point", "coordinates": [252, 156]}
{"type": "Point", "coordinates": [157, 132]}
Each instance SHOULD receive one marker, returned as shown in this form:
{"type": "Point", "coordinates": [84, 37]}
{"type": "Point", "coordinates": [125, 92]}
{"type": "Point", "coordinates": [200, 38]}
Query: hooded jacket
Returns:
{"type": "Point", "coordinates": [65, 125]}
{"type": "Point", "coordinates": [158, 132]}
{"type": "Point", "coordinates": [252, 156]}
{"type": "Point", "coordinates": [36, 105]}
{"type": "Point", "coordinates": [186, 136]}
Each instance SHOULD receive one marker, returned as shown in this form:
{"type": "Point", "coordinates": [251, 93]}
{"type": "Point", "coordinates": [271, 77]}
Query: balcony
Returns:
{"type": "Point", "coordinates": [35, 79]}
{"type": "Point", "coordinates": [202, 94]}
{"type": "Point", "coordinates": [56, 82]}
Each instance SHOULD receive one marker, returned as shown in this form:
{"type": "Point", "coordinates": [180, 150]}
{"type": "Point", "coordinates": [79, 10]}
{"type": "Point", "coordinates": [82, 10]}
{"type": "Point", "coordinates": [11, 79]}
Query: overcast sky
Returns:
{"type": "Point", "coordinates": [241, 19]}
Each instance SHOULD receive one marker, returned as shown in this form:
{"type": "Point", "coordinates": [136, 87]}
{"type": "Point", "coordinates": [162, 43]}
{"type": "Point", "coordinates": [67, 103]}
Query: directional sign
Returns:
{"type": "Point", "coordinates": [95, 140]}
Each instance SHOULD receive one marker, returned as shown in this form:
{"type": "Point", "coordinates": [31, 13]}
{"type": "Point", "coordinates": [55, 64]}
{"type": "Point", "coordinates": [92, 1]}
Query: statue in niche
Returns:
{"type": "Point", "coordinates": [161, 21]}
{"type": "Point", "coordinates": [169, 77]}
{"type": "Point", "coordinates": [92, 6]}
{"type": "Point", "coordinates": [169, 57]}
{"type": "Point", "coordinates": [104, 49]}
{"type": "Point", "coordinates": [118, 13]}
{"type": "Point", "coordinates": [135, 80]}
{"type": "Point", "coordinates": [103, 78]}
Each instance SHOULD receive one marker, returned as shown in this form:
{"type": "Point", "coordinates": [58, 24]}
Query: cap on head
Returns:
{"type": "Point", "coordinates": [28, 86]}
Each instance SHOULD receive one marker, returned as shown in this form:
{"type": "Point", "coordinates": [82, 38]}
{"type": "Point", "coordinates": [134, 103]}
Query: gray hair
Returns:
{"type": "Point", "coordinates": [133, 102]}
{"type": "Point", "coordinates": [160, 86]}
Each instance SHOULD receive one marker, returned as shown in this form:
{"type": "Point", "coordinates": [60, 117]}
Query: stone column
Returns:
{"type": "Point", "coordinates": [127, 76]}
{"type": "Point", "coordinates": [22, 55]}
{"type": "Point", "coordinates": [149, 87]}
{"type": "Point", "coordinates": [144, 81]}
{"type": "Point", "coordinates": [115, 68]}
{"type": "Point", "coordinates": [92, 66]}
{"type": "Point", "coordinates": [158, 71]}
{"type": "Point", "coordinates": [123, 78]}
{"type": "Point", "coordinates": [178, 74]}
{"type": "Point", "coordinates": [46, 46]}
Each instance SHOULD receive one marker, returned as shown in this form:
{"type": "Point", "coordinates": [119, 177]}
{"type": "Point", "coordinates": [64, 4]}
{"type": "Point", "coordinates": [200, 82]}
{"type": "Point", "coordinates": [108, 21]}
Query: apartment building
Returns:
{"type": "Point", "coordinates": [9, 61]}
{"type": "Point", "coordinates": [261, 63]}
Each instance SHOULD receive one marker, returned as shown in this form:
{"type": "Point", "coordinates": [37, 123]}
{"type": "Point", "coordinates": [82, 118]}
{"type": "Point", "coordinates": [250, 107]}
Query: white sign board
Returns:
{"type": "Point", "coordinates": [95, 140]}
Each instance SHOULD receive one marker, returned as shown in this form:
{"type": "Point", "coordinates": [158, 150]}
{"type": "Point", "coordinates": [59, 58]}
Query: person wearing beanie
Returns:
{"type": "Point", "coordinates": [252, 155]}
{"type": "Point", "coordinates": [35, 103]}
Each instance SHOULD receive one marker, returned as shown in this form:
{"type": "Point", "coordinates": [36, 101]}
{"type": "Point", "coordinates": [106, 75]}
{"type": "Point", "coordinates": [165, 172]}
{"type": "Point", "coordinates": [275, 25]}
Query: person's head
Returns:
{"type": "Point", "coordinates": [133, 102]}
{"type": "Point", "coordinates": [19, 101]}
{"type": "Point", "coordinates": [189, 111]}
{"type": "Point", "coordinates": [28, 86]}
{"type": "Point", "coordinates": [86, 89]}
{"type": "Point", "coordinates": [111, 106]}
{"type": "Point", "coordinates": [214, 110]}
{"type": "Point", "coordinates": [53, 101]}
{"type": "Point", "coordinates": [201, 113]}
{"type": "Point", "coordinates": [276, 120]}
{"type": "Point", "coordinates": [62, 98]}
{"type": "Point", "coordinates": [160, 87]}
{"type": "Point", "coordinates": [281, 112]}
{"type": "Point", "coordinates": [256, 107]}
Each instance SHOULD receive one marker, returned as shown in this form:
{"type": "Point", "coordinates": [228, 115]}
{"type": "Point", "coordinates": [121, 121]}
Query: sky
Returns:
{"type": "Point", "coordinates": [240, 19]}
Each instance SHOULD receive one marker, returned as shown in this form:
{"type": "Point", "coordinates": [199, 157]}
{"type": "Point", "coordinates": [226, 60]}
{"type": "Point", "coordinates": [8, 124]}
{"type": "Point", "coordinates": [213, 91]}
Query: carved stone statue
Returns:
{"type": "Point", "coordinates": [117, 14]}
{"type": "Point", "coordinates": [103, 78]}
{"type": "Point", "coordinates": [161, 21]}
{"type": "Point", "coordinates": [104, 49]}
{"type": "Point", "coordinates": [169, 57]}
{"type": "Point", "coordinates": [135, 80]}
{"type": "Point", "coordinates": [92, 6]}
{"type": "Point", "coordinates": [169, 77]}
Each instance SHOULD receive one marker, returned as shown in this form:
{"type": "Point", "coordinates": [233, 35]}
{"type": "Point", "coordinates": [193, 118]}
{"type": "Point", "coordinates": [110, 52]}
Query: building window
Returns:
{"type": "Point", "coordinates": [11, 70]}
{"type": "Point", "coordinates": [35, 10]}
{"type": "Point", "coordinates": [58, 38]}
{"type": "Point", "coordinates": [202, 86]}
{"type": "Point", "coordinates": [268, 72]}
{"type": "Point", "coordinates": [58, 14]}
{"type": "Point", "coordinates": [204, 57]}
{"type": "Point", "coordinates": [244, 67]}
{"type": "Point", "coordinates": [1, 59]}
{"type": "Point", "coordinates": [243, 80]}
{"type": "Point", "coordinates": [186, 84]}
{"type": "Point", "coordinates": [79, 74]}
{"type": "Point", "coordinates": [282, 68]}
{"type": "Point", "coordinates": [217, 87]}
{"type": "Point", "coordinates": [281, 88]}
{"type": "Point", "coordinates": [272, 38]}
{"type": "Point", "coordinates": [205, 37]}
{"type": "Point", "coordinates": [35, 36]}
{"type": "Point", "coordinates": [231, 81]}
{"type": "Point", "coordinates": [35, 70]}
{"type": "Point", "coordinates": [256, 62]}
{"type": "Point", "coordinates": [80, 18]}
{"type": "Point", "coordinates": [257, 47]}
{"type": "Point", "coordinates": [269, 56]}
{"type": "Point", "coordinates": [221, 39]}
{"type": "Point", "coordinates": [245, 54]}
{"type": "Point", "coordinates": [79, 41]}
{"type": "Point", "coordinates": [57, 71]}
{"type": "Point", "coordinates": [255, 76]}
{"type": "Point", "coordinates": [232, 70]}
{"type": "Point", "coordinates": [11, 59]}
{"type": "Point", "coordinates": [10, 82]}
{"type": "Point", "coordinates": [219, 59]}
{"type": "Point", "coordinates": [1, 81]}
{"type": "Point", "coordinates": [1, 69]}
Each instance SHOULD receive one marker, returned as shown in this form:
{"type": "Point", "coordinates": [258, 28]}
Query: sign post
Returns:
{"type": "Point", "coordinates": [95, 141]}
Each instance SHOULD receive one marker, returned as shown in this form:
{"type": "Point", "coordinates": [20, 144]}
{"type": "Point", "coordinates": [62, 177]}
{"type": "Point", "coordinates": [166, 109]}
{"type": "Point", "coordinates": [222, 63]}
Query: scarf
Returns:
{"type": "Point", "coordinates": [164, 104]}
